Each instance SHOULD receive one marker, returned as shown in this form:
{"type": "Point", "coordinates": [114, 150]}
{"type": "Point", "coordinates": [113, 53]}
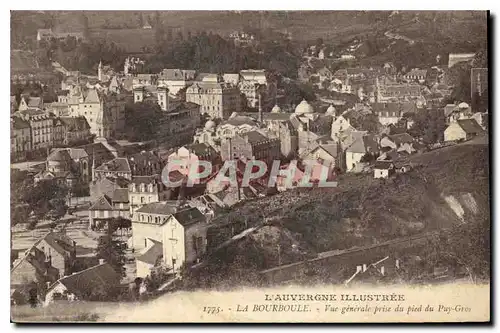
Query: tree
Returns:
{"type": "Point", "coordinates": [142, 120]}
{"type": "Point", "coordinates": [429, 125]}
{"type": "Point", "coordinates": [47, 198]}
{"type": "Point", "coordinates": [112, 251]}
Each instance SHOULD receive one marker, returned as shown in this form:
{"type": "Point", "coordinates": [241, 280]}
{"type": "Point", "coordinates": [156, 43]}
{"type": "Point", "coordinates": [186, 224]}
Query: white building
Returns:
{"type": "Point", "coordinates": [182, 231]}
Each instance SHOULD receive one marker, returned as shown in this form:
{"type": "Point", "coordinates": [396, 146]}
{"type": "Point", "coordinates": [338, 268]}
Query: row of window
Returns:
{"type": "Point", "coordinates": [150, 219]}
{"type": "Point", "coordinates": [142, 188]}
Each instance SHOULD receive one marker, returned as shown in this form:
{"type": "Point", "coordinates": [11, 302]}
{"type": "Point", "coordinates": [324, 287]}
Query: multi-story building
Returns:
{"type": "Point", "coordinates": [105, 112]}
{"type": "Point", "coordinates": [116, 168]}
{"type": "Point", "coordinates": [143, 190]}
{"type": "Point", "coordinates": [254, 82]}
{"type": "Point", "coordinates": [392, 113]}
{"type": "Point", "coordinates": [216, 98]}
{"type": "Point", "coordinates": [107, 208]}
{"type": "Point", "coordinates": [145, 163]}
{"type": "Point", "coordinates": [251, 145]}
{"type": "Point", "coordinates": [158, 94]}
{"type": "Point", "coordinates": [396, 92]}
{"type": "Point", "coordinates": [20, 138]}
{"type": "Point", "coordinates": [179, 123]}
{"type": "Point", "coordinates": [176, 79]}
{"type": "Point", "coordinates": [416, 74]}
{"type": "Point", "coordinates": [181, 230]}
{"type": "Point", "coordinates": [41, 124]}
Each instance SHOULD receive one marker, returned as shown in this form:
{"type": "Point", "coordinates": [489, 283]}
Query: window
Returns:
{"type": "Point", "coordinates": [142, 200]}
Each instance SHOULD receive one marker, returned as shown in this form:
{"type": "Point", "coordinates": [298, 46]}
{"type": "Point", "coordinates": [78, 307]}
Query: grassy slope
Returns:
{"type": "Point", "coordinates": [360, 212]}
{"type": "Point", "coordinates": [363, 210]}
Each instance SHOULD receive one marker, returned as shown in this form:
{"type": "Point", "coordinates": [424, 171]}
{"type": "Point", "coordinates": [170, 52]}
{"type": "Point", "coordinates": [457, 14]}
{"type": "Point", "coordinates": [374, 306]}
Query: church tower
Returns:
{"type": "Point", "coordinates": [99, 71]}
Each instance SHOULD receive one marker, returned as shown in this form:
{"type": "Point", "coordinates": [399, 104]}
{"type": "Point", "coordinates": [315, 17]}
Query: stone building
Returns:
{"type": "Point", "coordinates": [251, 145]}
{"type": "Point", "coordinates": [20, 138]}
{"type": "Point", "coordinates": [216, 98]}
{"type": "Point", "coordinates": [41, 124]}
{"type": "Point", "coordinates": [104, 112]}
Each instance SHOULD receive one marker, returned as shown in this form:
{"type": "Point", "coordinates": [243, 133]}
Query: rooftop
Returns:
{"type": "Point", "coordinates": [159, 208]}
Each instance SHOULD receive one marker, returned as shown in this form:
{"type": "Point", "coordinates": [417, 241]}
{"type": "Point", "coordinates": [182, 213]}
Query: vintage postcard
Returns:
{"type": "Point", "coordinates": [249, 166]}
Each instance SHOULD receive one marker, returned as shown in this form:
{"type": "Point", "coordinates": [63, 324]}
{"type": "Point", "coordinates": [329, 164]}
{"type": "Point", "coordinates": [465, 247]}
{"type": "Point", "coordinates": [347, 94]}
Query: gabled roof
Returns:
{"type": "Point", "coordinates": [331, 149]}
{"type": "Point", "coordinates": [92, 96]}
{"type": "Point", "coordinates": [394, 109]}
{"type": "Point", "coordinates": [96, 277]}
{"type": "Point", "coordinates": [34, 102]}
{"type": "Point", "coordinates": [383, 165]}
{"type": "Point", "coordinates": [151, 254]}
{"type": "Point", "coordinates": [470, 126]}
{"type": "Point", "coordinates": [364, 144]}
{"type": "Point", "coordinates": [401, 138]}
{"type": "Point", "coordinates": [103, 203]}
{"type": "Point", "coordinates": [144, 158]}
{"type": "Point", "coordinates": [254, 137]}
{"type": "Point", "coordinates": [119, 164]}
{"type": "Point", "coordinates": [154, 179]}
{"type": "Point", "coordinates": [189, 216]}
{"type": "Point", "coordinates": [240, 120]}
{"type": "Point", "coordinates": [120, 195]}
{"type": "Point", "coordinates": [35, 258]}
{"type": "Point", "coordinates": [77, 153]}
{"type": "Point", "coordinates": [95, 149]}
{"type": "Point", "coordinates": [59, 242]}
{"type": "Point", "coordinates": [200, 149]}
{"type": "Point", "coordinates": [59, 155]}
{"type": "Point", "coordinates": [159, 208]}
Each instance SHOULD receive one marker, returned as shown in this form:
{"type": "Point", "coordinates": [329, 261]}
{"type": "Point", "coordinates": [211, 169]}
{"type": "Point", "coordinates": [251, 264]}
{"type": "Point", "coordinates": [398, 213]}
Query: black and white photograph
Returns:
{"type": "Point", "coordinates": [260, 166]}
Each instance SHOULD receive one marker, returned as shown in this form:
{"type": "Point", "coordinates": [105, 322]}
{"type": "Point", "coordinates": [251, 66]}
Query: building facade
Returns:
{"type": "Point", "coordinates": [216, 98]}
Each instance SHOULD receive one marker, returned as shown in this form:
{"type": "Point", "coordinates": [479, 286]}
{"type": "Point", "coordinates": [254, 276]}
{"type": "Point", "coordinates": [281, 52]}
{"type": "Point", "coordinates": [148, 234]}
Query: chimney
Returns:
{"type": "Point", "coordinates": [102, 261]}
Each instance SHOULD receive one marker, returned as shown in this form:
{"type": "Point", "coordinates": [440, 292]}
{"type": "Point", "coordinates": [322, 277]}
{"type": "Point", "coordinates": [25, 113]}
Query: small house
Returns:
{"type": "Point", "coordinates": [383, 169]}
{"type": "Point", "coordinates": [94, 283]}
{"type": "Point", "coordinates": [462, 129]}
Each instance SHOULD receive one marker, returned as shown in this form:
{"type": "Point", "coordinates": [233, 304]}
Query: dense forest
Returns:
{"type": "Point", "coordinates": [207, 52]}
{"type": "Point", "coordinates": [80, 55]}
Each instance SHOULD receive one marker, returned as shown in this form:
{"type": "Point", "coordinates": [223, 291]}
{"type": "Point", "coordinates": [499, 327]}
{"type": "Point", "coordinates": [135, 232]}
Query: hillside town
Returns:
{"type": "Point", "coordinates": [93, 219]}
